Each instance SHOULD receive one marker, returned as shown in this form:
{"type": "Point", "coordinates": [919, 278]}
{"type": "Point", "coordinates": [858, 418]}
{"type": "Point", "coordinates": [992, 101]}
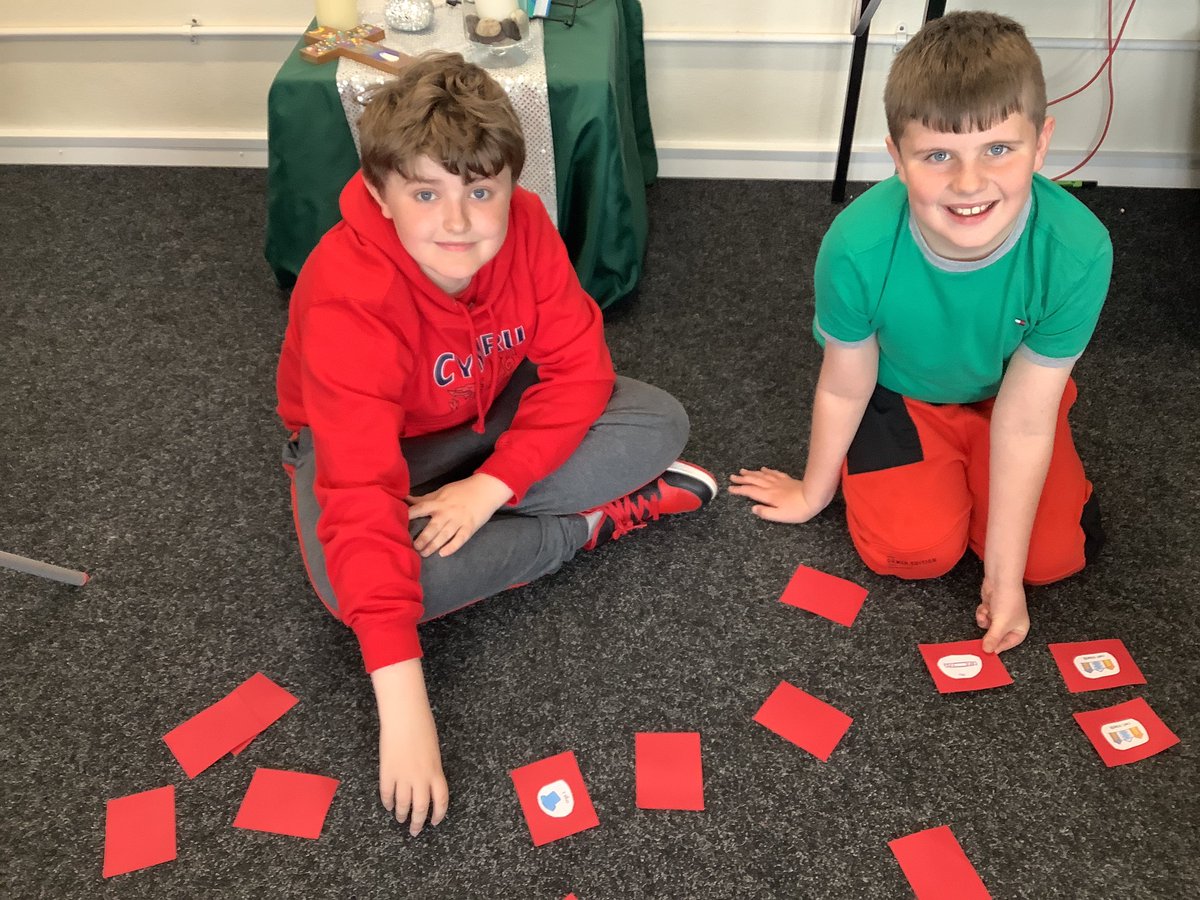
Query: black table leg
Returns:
{"type": "Point", "coordinates": [853, 89]}
{"type": "Point", "coordinates": [934, 9]}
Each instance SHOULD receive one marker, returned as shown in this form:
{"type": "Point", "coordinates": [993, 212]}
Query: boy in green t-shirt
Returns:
{"type": "Point", "coordinates": [952, 301]}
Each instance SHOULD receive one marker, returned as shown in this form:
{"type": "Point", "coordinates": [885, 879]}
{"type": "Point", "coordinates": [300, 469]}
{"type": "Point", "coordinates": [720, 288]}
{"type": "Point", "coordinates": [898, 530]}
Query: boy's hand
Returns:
{"type": "Point", "coordinates": [411, 783]}
{"type": "Point", "coordinates": [778, 497]}
{"type": "Point", "coordinates": [1004, 614]}
{"type": "Point", "coordinates": [456, 511]}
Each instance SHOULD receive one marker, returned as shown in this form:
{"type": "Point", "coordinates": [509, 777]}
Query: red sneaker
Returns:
{"type": "Point", "coordinates": [682, 488]}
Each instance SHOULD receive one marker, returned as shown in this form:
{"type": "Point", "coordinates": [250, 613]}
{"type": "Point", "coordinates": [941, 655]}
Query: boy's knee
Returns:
{"type": "Point", "coordinates": [678, 425]}
{"type": "Point", "coordinates": [669, 420]}
{"type": "Point", "coordinates": [1048, 564]}
{"type": "Point", "coordinates": [931, 560]}
{"type": "Point", "coordinates": [1058, 554]}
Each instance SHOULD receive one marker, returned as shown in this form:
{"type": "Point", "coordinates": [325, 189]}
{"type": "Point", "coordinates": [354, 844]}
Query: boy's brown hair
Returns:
{"type": "Point", "coordinates": [966, 71]}
{"type": "Point", "coordinates": [445, 108]}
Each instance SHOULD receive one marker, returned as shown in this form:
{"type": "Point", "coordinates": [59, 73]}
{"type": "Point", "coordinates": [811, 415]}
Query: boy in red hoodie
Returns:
{"type": "Point", "coordinates": [456, 425]}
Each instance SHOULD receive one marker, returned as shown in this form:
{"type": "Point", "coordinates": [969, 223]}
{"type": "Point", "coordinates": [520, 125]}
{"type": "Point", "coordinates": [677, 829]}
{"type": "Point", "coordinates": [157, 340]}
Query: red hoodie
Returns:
{"type": "Point", "coordinates": [376, 352]}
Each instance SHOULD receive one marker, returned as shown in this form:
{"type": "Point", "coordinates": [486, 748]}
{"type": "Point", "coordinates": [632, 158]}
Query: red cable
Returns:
{"type": "Point", "coordinates": [1107, 59]}
{"type": "Point", "coordinates": [1112, 99]}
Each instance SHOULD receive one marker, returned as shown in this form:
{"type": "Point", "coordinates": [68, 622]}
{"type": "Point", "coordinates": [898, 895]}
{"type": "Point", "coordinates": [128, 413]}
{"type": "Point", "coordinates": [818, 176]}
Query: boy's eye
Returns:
{"type": "Point", "coordinates": [424, 196]}
{"type": "Point", "coordinates": [480, 193]}
{"type": "Point", "coordinates": [938, 156]}
{"type": "Point", "coordinates": [997, 150]}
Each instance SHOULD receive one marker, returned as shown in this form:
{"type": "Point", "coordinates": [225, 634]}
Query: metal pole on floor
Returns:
{"type": "Point", "coordinates": [43, 570]}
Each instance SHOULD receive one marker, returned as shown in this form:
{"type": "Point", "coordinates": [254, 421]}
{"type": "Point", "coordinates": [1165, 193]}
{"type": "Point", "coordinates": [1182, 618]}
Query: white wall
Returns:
{"type": "Point", "coordinates": [197, 96]}
{"type": "Point", "coordinates": [737, 89]}
{"type": "Point", "coordinates": [757, 89]}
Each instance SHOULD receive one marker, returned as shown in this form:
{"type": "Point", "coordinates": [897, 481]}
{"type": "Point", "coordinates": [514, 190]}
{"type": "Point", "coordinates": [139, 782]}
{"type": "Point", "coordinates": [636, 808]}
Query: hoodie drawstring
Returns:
{"type": "Point", "coordinates": [495, 328]}
{"type": "Point", "coordinates": [478, 356]}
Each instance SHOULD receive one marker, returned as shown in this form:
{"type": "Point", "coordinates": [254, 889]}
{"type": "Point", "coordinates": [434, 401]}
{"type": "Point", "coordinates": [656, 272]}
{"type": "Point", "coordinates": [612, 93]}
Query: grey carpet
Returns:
{"type": "Point", "coordinates": [139, 328]}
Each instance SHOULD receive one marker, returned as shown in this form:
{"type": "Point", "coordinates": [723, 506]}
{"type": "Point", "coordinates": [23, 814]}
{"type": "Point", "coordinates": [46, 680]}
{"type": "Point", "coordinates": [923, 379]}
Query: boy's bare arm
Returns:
{"type": "Point", "coordinates": [1022, 439]}
{"type": "Point", "coordinates": [411, 783]}
{"type": "Point", "coordinates": [848, 376]}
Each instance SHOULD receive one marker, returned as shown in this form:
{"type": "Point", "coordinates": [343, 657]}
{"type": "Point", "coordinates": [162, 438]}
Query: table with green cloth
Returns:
{"type": "Point", "coordinates": [603, 149]}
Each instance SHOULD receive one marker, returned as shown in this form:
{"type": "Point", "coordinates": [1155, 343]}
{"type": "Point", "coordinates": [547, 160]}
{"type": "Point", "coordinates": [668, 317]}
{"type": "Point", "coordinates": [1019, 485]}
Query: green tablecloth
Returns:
{"type": "Point", "coordinates": [603, 150]}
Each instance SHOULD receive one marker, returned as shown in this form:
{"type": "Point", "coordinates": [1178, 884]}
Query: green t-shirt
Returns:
{"type": "Point", "coordinates": [946, 329]}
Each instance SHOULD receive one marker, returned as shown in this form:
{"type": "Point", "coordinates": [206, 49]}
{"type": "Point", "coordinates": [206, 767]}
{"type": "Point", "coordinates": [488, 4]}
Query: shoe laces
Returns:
{"type": "Point", "coordinates": [634, 511]}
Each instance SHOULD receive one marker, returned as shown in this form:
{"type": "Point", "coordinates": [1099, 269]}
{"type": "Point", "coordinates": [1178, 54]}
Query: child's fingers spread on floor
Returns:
{"type": "Point", "coordinates": [441, 802]}
{"type": "Point", "coordinates": [743, 476]}
{"type": "Point", "coordinates": [403, 801]}
{"type": "Point", "coordinates": [759, 493]}
{"type": "Point", "coordinates": [746, 489]}
{"type": "Point", "coordinates": [770, 513]}
{"type": "Point", "coordinates": [387, 795]}
{"type": "Point", "coordinates": [763, 477]}
{"type": "Point", "coordinates": [420, 811]}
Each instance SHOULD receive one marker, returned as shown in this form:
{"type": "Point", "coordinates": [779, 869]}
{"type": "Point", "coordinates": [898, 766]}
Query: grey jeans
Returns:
{"type": "Point", "coordinates": [640, 433]}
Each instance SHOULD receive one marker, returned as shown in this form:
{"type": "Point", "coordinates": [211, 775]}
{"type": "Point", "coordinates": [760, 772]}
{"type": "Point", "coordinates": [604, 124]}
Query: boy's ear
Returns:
{"type": "Point", "coordinates": [1043, 142]}
{"type": "Point", "coordinates": [378, 198]}
{"type": "Point", "coordinates": [894, 153]}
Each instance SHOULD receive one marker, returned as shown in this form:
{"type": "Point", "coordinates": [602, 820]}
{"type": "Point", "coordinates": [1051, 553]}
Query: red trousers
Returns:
{"type": "Point", "coordinates": [916, 488]}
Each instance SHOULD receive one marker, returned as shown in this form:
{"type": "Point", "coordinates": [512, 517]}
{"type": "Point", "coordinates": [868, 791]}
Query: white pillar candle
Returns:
{"type": "Point", "coordinates": [495, 9]}
{"type": "Point", "coordinates": [339, 14]}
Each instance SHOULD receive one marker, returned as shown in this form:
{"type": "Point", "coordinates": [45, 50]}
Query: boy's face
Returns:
{"type": "Point", "coordinates": [966, 190]}
{"type": "Point", "coordinates": [451, 228]}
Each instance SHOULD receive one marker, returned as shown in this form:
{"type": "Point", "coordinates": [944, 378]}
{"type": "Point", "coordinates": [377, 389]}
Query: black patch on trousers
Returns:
{"type": "Point", "coordinates": [887, 436]}
{"type": "Point", "coordinates": [1093, 529]}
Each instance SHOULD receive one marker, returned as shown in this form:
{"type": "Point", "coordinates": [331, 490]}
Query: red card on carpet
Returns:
{"type": "Point", "coordinates": [139, 831]}
{"type": "Point", "coordinates": [267, 701]}
{"type": "Point", "coordinates": [801, 718]}
{"type": "Point", "coordinates": [283, 802]}
{"type": "Point", "coordinates": [936, 866]}
{"type": "Point", "coordinates": [963, 666]}
{"type": "Point", "coordinates": [240, 748]}
{"type": "Point", "coordinates": [1126, 733]}
{"type": "Point", "coordinates": [554, 798]}
{"type": "Point", "coordinates": [669, 772]}
{"type": "Point", "coordinates": [826, 595]}
{"type": "Point", "coordinates": [1095, 665]}
{"type": "Point", "coordinates": [210, 734]}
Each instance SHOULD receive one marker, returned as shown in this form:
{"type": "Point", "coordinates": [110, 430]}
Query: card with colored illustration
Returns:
{"type": "Point", "coordinates": [1126, 733]}
{"type": "Point", "coordinates": [139, 831]}
{"type": "Point", "coordinates": [554, 798]}
{"type": "Point", "coordinates": [283, 802]}
{"type": "Point", "coordinates": [669, 772]}
{"type": "Point", "coordinates": [936, 867]}
{"type": "Point", "coordinates": [801, 718]}
{"type": "Point", "coordinates": [823, 594]}
{"type": "Point", "coordinates": [1095, 665]}
{"type": "Point", "coordinates": [963, 666]}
